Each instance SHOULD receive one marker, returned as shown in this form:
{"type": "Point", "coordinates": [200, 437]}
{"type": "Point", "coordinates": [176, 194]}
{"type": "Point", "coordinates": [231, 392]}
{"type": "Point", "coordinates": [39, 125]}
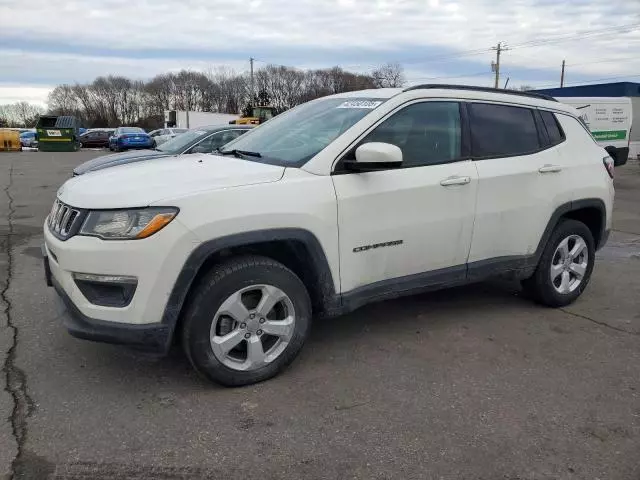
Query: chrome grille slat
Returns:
{"type": "Point", "coordinates": [62, 219]}
{"type": "Point", "coordinates": [65, 219]}
{"type": "Point", "coordinates": [56, 225]}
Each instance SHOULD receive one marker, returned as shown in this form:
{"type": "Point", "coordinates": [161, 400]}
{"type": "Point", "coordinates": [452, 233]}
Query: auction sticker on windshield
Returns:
{"type": "Point", "coordinates": [370, 104]}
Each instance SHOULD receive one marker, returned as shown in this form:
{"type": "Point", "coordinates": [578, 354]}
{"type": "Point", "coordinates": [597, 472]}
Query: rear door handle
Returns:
{"type": "Point", "coordinates": [550, 168]}
{"type": "Point", "coordinates": [455, 180]}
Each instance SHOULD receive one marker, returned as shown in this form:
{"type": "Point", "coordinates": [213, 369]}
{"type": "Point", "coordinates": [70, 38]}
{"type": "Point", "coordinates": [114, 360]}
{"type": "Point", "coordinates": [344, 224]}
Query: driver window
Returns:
{"type": "Point", "coordinates": [428, 133]}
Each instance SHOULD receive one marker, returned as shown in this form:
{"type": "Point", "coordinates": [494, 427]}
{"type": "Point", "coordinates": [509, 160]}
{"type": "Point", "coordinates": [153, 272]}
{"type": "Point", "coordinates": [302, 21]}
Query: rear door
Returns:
{"type": "Point", "coordinates": [521, 181]}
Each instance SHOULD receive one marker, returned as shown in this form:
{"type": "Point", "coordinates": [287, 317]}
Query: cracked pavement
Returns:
{"type": "Point", "coordinates": [469, 383]}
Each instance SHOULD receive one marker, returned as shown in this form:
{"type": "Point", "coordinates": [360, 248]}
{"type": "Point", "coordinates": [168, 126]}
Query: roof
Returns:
{"type": "Point", "coordinates": [616, 89]}
{"type": "Point", "coordinates": [463, 92]}
{"type": "Point", "coordinates": [474, 88]}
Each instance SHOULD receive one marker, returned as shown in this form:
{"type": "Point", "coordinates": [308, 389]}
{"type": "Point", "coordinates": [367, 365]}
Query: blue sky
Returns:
{"type": "Point", "coordinates": [44, 43]}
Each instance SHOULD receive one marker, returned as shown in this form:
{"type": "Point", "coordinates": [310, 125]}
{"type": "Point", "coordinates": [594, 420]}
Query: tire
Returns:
{"type": "Point", "coordinates": [251, 280]}
{"type": "Point", "coordinates": [556, 292]}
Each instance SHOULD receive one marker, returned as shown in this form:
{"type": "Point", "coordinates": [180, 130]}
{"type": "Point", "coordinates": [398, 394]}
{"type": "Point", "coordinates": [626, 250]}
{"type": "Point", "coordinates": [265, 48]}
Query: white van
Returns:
{"type": "Point", "coordinates": [609, 119]}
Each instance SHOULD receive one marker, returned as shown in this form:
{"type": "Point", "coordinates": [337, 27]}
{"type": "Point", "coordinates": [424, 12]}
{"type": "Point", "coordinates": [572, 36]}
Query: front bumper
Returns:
{"type": "Point", "coordinates": [155, 262]}
{"type": "Point", "coordinates": [154, 338]}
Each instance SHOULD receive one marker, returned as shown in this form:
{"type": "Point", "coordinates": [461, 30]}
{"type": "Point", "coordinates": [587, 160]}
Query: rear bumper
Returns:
{"type": "Point", "coordinates": [622, 156]}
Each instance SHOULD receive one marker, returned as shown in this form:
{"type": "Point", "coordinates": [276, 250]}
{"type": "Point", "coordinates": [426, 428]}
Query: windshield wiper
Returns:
{"type": "Point", "coordinates": [239, 153]}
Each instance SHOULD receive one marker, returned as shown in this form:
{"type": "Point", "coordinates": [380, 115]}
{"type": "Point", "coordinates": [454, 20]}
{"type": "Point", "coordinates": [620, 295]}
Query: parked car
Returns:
{"type": "Point", "coordinates": [163, 134]}
{"type": "Point", "coordinates": [124, 138]}
{"type": "Point", "coordinates": [345, 200]}
{"type": "Point", "coordinates": [29, 139]}
{"type": "Point", "coordinates": [95, 138]}
{"type": "Point", "coordinates": [204, 140]}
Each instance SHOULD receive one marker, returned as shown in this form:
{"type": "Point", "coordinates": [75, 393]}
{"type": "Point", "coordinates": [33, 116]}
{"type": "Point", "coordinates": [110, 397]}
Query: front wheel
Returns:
{"type": "Point", "coordinates": [565, 267]}
{"type": "Point", "coordinates": [247, 321]}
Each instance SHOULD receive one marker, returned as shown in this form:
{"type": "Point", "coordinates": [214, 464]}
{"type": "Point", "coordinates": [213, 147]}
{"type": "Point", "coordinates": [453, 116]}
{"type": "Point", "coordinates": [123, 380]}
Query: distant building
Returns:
{"type": "Point", "coordinates": [618, 89]}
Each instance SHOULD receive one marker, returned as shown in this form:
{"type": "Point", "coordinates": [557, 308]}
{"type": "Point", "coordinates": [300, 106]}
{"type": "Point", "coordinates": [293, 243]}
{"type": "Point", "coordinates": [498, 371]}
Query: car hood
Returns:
{"type": "Point", "coordinates": [145, 183]}
{"type": "Point", "coordinates": [123, 158]}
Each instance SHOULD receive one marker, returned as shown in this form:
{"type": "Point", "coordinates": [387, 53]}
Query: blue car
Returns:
{"type": "Point", "coordinates": [125, 138]}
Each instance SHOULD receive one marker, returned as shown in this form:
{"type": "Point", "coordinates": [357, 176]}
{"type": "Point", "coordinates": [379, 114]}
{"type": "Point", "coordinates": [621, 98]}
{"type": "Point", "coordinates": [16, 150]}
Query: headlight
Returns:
{"type": "Point", "coordinates": [127, 224]}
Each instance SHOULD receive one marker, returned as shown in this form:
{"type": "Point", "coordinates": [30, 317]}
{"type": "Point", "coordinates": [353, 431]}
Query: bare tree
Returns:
{"type": "Point", "coordinates": [115, 100]}
{"type": "Point", "coordinates": [389, 75]}
{"type": "Point", "coordinates": [20, 114]}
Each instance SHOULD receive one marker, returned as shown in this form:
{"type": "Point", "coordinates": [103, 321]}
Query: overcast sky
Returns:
{"type": "Point", "coordinates": [48, 42]}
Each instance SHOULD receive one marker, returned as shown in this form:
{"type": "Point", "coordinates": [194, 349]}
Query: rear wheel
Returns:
{"type": "Point", "coordinates": [565, 267]}
{"type": "Point", "coordinates": [247, 321]}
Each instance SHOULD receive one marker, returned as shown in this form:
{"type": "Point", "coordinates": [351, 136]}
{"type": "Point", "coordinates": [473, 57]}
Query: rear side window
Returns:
{"type": "Point", "coordinates": [556, 135]}
{"type": "Point", "coordinates": [502, 131]}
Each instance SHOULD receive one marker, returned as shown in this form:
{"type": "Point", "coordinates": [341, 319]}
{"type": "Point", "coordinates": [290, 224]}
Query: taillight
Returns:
{"type": "Point", "coordinates": [608, 165]}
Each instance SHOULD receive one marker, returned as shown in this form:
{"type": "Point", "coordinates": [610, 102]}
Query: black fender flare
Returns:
{"type": "Point", "coordinates": [569, 207]}
{"type": "Point", "coordinates": [205, 250]}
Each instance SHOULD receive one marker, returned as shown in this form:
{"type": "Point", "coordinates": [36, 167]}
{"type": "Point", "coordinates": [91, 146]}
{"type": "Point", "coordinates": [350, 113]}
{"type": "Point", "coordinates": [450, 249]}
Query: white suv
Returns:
{"type": "Point", "coordinates": [342, 201]}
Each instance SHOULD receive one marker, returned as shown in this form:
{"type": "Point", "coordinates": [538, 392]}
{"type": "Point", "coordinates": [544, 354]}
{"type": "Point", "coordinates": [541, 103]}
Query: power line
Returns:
{"type": "Point", "coordinates": [581, 35]}
{"type": "Point", "coordinates": [477, 74]}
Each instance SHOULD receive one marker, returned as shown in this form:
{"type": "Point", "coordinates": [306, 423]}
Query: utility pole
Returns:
{"type": "Point", "coordinates": [562, 76]}
{"type": "Point", "coordinates": [252, 95]}
{"type": "Point", "coordinates": [495, 67]}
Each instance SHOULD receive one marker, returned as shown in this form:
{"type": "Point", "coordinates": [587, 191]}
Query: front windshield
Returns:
{"type": "Point", "coordinates": [296, 136]}
{"type": "Point", "coordinates": [178, 144]}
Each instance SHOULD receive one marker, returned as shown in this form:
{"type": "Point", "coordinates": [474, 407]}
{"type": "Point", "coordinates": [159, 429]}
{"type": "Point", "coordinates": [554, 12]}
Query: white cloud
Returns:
{"type": "Point", "coordinates": [72, 37]}
{"type": "Point", "coordinates": [18, 93]}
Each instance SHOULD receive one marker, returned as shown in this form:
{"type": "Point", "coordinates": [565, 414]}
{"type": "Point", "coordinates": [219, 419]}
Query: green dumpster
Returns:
{"type": "Point", "coordinates": [57, 133]}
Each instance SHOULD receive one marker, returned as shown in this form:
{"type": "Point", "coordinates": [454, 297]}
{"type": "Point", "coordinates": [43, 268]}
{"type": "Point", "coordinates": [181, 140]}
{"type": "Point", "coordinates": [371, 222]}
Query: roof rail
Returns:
{"type": "Point", "coordinates": [428, 86]}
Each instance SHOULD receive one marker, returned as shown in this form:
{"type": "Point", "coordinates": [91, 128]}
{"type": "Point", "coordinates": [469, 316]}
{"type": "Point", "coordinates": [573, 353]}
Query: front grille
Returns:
{"type": "Point", "coordinates": [64, 221]}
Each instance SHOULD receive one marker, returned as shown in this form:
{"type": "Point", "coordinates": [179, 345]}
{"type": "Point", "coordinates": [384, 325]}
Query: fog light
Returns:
{"type": "Point", "coordinates": [106, 290]}
{"type": "Point", "coordinates": [90, 277]}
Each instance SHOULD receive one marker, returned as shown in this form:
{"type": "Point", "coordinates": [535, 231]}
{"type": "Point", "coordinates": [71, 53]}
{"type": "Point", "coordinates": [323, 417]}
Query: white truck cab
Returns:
{"type": "Point", "coordinates": [610, 121]}
{"type": "Point", "coordinates": [341, 201]}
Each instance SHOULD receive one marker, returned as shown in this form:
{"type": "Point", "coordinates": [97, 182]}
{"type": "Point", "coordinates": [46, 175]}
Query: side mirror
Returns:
{"type": "Point", "coordinates": [375, 156]}
{"type": "Point", "coordinates": [199, 149]}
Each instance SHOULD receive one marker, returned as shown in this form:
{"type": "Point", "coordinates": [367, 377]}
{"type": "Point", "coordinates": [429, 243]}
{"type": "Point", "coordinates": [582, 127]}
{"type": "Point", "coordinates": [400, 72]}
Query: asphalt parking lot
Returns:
{"type": "Point", "coordinates": [469, 383]}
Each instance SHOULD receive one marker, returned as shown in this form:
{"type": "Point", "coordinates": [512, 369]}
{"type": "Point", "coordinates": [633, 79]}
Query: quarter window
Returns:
{"type": "Point", "coordinates": [502, 131]}
{"type": "Point", "coordinates": [553, 128]}
{"type": "Point", "coordinates": [427, 133]}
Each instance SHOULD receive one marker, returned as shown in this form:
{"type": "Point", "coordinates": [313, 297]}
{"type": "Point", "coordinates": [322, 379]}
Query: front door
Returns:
{"type": "Point", "coordinates": [411, 223]}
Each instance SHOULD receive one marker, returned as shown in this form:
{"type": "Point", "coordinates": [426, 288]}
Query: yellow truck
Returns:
{"type": "Point", "coordinates": [259, 114]}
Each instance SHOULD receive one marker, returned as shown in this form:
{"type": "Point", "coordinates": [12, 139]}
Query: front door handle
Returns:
{"type": "Point", "coordinates": [455, 180]}
{"type": "Point", "coordinates": [548, 168]}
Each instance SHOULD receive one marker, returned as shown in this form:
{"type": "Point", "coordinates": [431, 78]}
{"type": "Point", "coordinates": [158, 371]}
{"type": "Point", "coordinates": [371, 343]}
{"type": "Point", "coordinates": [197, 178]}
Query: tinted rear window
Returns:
{"type": "Point", "coordinates": [502, 131]}
{"type": "Point", "coordinates": [131, 130]}
{"type": "Point", "coordinates": [553, 127]}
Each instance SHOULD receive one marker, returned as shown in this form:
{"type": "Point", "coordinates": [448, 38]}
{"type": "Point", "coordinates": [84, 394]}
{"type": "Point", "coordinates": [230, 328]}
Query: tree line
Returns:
{"type": "Point", "coordinates": [110, 101]}
{"type": "Point", "coordinates": [19, 114]}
